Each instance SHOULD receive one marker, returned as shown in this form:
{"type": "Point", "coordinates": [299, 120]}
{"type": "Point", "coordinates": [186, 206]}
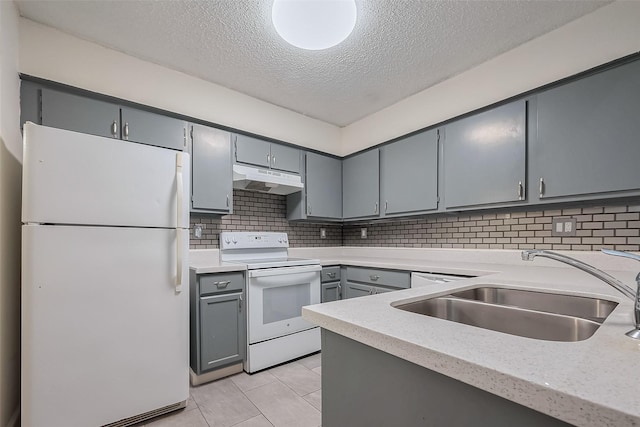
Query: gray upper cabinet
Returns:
{"type": "Point", "coordinates": [321, 196]}
{"type": "Point", "coordinates": [409, 174]}
{"type": "Point", "coordinates": [285, 158]}
{"type": "Point", "coordinates": [153, 129]}
{"type": "Point", "coordinates": [80, 114]}
{"type": "Point", "coordinates": [588, 140]}
{"type": "Point", "coordinates": [252, 150]}
{"type": "Point", "coordinates": [485, 157]}
{"type": "Point", "coordinates": [257, 152]}
{"type": "Point", "coordinates": [323, 186]}
{"type": "Point", "coordinates": [211, 179]}
{"type": "Point", "coordinates": [96, 117]}
{"type": "Point", "coordinates": [361, 186]}
{"type": "Point", "coordinates": [29, 103]}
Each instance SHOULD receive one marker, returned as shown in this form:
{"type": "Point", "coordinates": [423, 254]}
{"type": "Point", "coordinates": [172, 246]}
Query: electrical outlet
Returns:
{"type": "Point", "coordinates": [363, 233]}
{"type": "Point", "coordinates": [197, 230]}
{"type": "Point", "coordinates": [563, 227]}
{"type": "Point", "coordinates": [323, 233]}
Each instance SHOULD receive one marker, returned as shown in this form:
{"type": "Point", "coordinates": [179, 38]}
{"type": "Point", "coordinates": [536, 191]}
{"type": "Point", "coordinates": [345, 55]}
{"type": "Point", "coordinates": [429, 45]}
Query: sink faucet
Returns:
{"type": "Point", "coordinates": [529, 255]}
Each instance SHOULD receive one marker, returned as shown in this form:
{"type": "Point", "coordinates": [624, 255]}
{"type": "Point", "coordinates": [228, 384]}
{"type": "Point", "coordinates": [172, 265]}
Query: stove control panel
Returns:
{"type": "Point", "coordinates": [252, 240]}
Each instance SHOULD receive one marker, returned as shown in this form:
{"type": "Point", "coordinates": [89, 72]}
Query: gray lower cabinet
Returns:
{"type": "Point", "coordinates": [587, 141]}
{"type": "Point", "coordinates": [211, 173]}
{"type": "Point", "coordinates": [362, 281]}
{"type": "Point", "coordinates": [322, 196]}
{"type": "Point", "coordinates": [330, 284]}
{"type": "Point", "coordinates": [257, 152]}
{"type": "Point", "coordinates": [363, 386]}
{"type": "Point", "coordinates": [80, 114]}
{"type": "Point", "coordinates": [409, 175]}
{"type": "Point", "coordinates": [361, 186]}
{"type": "Point", "coordinates": [220, 327]}
{"type": "Point", "coordinates": [485, 158]}
{"type": "Point", "coordinates": [217, 321]}
{"type": "Point", "coordinates": [153, 129]}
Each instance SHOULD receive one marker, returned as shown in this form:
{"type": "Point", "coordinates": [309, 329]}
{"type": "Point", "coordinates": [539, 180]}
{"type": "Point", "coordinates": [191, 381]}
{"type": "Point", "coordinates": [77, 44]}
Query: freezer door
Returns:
{"type": "Point", "coordinates": [74, 178]}
{"type": "Point", "coordinates": [104, 331]}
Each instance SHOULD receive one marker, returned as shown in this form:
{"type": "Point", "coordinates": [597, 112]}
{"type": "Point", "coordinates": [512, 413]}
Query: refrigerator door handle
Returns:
{"type": "Point", "coordinates": [179, 217]}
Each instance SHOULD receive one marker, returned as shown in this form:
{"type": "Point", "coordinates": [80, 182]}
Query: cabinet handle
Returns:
{"type": "Point", "coordinates": [386, 206]}
{"type": "Point", "coordinates": [309, 209]}
{"type": "Point", "coordinates": [331, 275]}
{"type": "Point", "coordinates": [268, 159]}
{"type": "Point", "coordinates": [125, 132]}
{"type": "Point", "coordinates": [374, 277]}
{"type": "Point", "coordinates": [340, 291]}
{"type": "Point", "coordinates": [222, 284]}
{"type": "Point", "coordinates": [273, 160]}
{"type": "Point", "coordinates": [375, 209]}
{"type": "Point", "coordinates": [227, 200]}
{"type": "Point", "coordinates": [114, 129]}
{"type": "Point", "coordinates": [371, 291]}
{"type": "Point", "coordinates": [541, 188]}
{"type": "Point", "coordinates": [520, 191]}
{"type": "Point", "coordinates": [240, 303]}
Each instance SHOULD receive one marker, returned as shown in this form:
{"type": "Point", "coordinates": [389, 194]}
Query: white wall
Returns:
{"type": "Point", "coordinates": [54, 55]}
{"type": "Point", "coordinates": [606, 34]}
{"type": "Point", "coordinates": [10, 205]}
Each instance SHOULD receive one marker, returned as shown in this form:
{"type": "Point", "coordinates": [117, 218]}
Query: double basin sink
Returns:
{"type": "Point", "coordinates": [531, 314]}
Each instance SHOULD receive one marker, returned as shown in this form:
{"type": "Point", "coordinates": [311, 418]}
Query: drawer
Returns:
{"type": "Point", "coordinates": [392, 278]}
{"type": "Point", "coordinates": [221, 282]}
{"type": "Point", "coordinates": [330, 274]}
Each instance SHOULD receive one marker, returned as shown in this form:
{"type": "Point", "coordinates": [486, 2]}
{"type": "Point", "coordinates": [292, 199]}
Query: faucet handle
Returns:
{"type": "Point", "coordinates": [621, 253]}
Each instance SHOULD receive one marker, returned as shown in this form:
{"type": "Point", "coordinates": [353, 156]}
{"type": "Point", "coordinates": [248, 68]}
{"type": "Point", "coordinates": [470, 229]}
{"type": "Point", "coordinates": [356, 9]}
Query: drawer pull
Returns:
{"type": "Point", "coordinates": [222, 284]}
{"type": "Point", "coordinates": [374, 277]}
{"type": "Point", "coordinates": [331, 275]}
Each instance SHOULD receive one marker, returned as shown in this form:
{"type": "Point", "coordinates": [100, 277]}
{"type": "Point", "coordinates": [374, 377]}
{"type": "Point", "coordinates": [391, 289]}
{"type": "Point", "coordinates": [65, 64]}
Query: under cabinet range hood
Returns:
{"type": "Point", "coordinates": [265, 180]}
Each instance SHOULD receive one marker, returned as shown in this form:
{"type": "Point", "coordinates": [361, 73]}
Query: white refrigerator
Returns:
{"type": "Point", "coordinates": [105, 240]}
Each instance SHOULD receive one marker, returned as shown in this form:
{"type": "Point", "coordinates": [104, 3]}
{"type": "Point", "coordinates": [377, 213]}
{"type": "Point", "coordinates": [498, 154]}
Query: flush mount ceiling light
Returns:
{"type": "Point", "coordinates": [314, 24]}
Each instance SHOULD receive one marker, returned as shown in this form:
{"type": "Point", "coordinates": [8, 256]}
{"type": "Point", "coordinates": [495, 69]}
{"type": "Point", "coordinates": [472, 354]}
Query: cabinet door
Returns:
{"type": "Point", "coordinates": [588, 135]}
{"type": "Point", "coordinates": [355, 290]}
{"type": "Point", "coordinates": [77, 113]}
{"type": "Point", "coordinates": [153, 129]}
{"type": "Point", "coordinates": [484, 157]}
{"type": "Point", "coordinates": [252, 151]}
{"type": "Point", "coordinates": [360, 190]}
{"type": "Point", "coordinates": [381, 290]}
{"type": "Point", "coordinates": [331, 291]}
{"type": "Point", "coordinates": [222, 336]}
{"type": "Point", "coordinates": [409, 174]}
{"type": "Point", "coordinates": [285, 158]}
{"type": "Point", "coordinates": [323, 186]}
{"type": "Point", "coordinates": [212, 181]}
{"type": "Point", "coordinates": [29, 102]}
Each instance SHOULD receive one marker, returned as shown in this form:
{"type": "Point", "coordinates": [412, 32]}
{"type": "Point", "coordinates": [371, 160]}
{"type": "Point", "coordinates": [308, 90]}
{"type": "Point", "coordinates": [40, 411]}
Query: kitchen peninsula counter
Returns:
{"type": "Point", "coordinates": [586, 383]}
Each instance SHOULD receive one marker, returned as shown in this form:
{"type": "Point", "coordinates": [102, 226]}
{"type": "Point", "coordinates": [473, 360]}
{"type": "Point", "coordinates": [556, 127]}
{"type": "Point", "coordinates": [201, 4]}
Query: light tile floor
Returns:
{"type": "Point", "coordinates": [284, 396]}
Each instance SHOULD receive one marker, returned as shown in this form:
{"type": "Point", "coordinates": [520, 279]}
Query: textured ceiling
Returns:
{"type": "Point", "coordinates": [398, 48]}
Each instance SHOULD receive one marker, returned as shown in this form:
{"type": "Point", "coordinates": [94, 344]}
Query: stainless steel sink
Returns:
{"type": "Point", "coordinates": [587, 308]}
{"type": "Point", "coordinates": [538, 315]}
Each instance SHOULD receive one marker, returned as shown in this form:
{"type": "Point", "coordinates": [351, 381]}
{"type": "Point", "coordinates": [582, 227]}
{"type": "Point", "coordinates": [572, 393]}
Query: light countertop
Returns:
{"type": "Point", "coordinates": [587, 383]}
{"type": "Point", "coordinates": [203, 261]}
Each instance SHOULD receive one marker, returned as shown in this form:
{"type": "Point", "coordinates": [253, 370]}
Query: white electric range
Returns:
{"type": "Point", "coordinates": [277, 289]}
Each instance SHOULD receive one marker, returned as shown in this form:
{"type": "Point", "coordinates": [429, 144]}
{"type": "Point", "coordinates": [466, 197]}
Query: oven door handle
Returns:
{"type": "Point", "coordinates": [281, 271]}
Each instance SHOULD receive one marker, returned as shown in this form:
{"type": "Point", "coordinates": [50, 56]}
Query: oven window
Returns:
{"type": "Point", "coordinates": [286, 302]}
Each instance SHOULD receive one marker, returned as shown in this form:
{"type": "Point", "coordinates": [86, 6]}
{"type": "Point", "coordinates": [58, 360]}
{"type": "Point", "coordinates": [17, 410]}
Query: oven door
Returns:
{"type": "Point", "coordinates": [276, 297]}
